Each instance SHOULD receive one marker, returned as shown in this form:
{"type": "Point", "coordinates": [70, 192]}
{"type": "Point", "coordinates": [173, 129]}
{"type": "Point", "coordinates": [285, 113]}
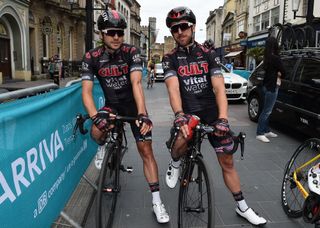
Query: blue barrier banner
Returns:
{"type": "Point", "coordinates": [41, 162]}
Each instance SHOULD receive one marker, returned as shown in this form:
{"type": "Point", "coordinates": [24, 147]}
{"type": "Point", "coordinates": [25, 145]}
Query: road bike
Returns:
{"type": "Point", "coordinates": [300, 191]}
{"type": "Point", "coordinates": [109, 178]}
{"type": "Point", "coordinates": [196, 194]}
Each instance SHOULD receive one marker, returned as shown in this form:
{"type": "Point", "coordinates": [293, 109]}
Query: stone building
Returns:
{"type": "Point", "coordinates": [14, 40]}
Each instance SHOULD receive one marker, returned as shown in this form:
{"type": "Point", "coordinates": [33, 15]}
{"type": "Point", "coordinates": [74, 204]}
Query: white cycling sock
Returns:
{"type": "Point", "coordinates": [156, 198]}
{"type": "Point", "coordinates": [242, 205]}
{"type": "Point", "coordinates": [176, 164]}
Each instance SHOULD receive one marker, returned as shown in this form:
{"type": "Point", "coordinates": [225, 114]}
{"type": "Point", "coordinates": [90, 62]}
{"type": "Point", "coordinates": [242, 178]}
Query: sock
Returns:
{"type": "Point", "coordinates": [154, 188]}
{"type": "Point", "coordinates": [175, 164]}
{"type": "Point", "coordinates": [241, 203]}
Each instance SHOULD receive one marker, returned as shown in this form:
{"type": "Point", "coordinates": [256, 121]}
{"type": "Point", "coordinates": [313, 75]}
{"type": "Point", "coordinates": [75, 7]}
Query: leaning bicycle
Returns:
{"type": "Point", "coordinates": [300, 191]}
{"type": "Point", "coordinates": [196, 194]}
{"type": "Point", "coordinates": [109, 177]}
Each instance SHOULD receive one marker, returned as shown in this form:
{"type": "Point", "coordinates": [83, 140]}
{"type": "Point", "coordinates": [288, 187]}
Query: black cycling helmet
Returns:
{"type": "Point", "coordinates": [180, 13]}
{"type": "Point", "coordinates": [209, 44]}
{"type": "Point", "coordinates": [111, 19]}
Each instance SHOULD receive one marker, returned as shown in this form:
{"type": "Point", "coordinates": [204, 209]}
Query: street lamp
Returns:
{"type": "Point", "coordinates": [89, 19]}
{"type": "Point", "coordinates": [295, 7]}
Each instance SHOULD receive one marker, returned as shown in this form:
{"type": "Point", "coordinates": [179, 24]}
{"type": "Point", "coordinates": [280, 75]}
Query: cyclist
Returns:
{"type": "Point", "coordinates": [191, 74]}
{"type": "Point", "coordinates": [118, 67]}
{"type": "Point", "coordinates": [151, 74]}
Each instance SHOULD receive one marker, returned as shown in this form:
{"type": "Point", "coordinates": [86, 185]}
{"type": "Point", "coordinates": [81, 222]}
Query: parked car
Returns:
{"type": "Point", "coordinates": [159, 72]}
{"type": "Point", "coordinates": [236, 86]}
{"type": "Point", "coordinates": [298, 101]}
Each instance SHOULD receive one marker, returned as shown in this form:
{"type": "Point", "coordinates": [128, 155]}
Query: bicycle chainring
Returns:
{"type": "Point", "coordinates": [311, 208]}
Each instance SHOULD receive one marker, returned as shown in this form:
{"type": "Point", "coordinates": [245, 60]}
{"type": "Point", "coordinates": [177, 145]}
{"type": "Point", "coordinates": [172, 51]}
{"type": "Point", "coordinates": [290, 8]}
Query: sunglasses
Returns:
{"type": "Point", "coordinates": [113, 32]}
{"type": "Point", "coordinates": [181, 26]}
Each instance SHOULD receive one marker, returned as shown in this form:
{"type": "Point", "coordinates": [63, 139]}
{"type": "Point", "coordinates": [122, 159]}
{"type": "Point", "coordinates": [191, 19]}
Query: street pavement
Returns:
{"type": "Point", "coordinates": [260, 172]}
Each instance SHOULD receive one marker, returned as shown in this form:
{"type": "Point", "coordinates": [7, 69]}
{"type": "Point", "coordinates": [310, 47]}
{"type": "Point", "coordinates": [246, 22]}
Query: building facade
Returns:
{"type": "Point", "coordinates": [14, 40]}
{"type": "Point", "coordinates": [135, 30]}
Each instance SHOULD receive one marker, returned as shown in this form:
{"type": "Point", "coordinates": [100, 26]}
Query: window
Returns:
{"type": "Point", "coordinates": [257, 2]}
{"type": "Point", "coordinates": [256, 23]}
{"type": "Point", "coordinates": [288, 65]}
{"type": "Point", "coordinates": [240, 26]}
{"type": "Point", "coordinates": [308, 73]}
{"type": "Point", "coordinates": [275, 15]}
{"type": "Point", "coordinates": [265, 20]}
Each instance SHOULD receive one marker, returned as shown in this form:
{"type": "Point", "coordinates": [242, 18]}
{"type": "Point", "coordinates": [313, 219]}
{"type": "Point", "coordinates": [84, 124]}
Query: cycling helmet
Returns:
{"type": "Point", "coordinates": [111, 19]}
{"type": "Point", "coordinates": [180, 13]}
{"type": "Point", "coordinates": [209, 44]}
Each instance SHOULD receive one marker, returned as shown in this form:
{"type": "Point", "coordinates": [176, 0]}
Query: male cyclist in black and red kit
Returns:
{"type": "Point", "coordinates": [196, 86]}
{"type": "Point", "coordinates": [118, 67]}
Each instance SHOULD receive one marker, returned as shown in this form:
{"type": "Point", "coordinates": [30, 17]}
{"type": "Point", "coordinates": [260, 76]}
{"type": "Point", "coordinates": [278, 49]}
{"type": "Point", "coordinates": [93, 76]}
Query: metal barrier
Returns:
{"type": "Point", "coordinates": [22, 93]}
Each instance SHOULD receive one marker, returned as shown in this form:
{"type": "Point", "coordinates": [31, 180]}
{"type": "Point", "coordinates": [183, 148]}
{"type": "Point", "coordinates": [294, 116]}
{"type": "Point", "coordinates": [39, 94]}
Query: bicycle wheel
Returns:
{"type": "Point", "coordinates": [300, 38]}
{"type": "Point", "coordinates": [310, 36]}
{"type": "Point", "coordinates": [196, 198]}
{"type": "Point", "coordinates": [276, 31]}
{"type": "Point", "coordinates": [288, 37]}
{"type": "Point", "coordinates": [306, 156]}
{"type": "Point", "coordinates": [107, 195]}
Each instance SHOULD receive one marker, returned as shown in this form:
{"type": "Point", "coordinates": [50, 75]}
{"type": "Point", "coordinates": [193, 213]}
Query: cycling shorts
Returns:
{"type": "Point", "coordinates": [130, 109]}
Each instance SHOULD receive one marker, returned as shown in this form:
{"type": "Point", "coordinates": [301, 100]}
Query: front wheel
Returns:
{"type": "Point", "coordinates": [306, 156]}
{"type": "Point", "coordinates": [107, 193]}
{"type": "Point", "coordinates": [196, 198]}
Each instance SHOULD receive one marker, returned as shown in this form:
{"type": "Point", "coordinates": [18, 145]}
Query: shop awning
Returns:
{"type": "Point", "coordinates": [232, 54]}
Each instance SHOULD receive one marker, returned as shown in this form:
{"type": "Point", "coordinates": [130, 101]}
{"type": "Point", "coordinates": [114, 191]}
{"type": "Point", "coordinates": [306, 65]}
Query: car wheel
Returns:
{"type": "Point", "coordinates": [254, 107]}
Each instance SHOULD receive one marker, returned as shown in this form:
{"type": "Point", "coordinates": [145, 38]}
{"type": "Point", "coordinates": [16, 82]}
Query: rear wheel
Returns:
{"type": "Point", "coordinates": [107, 192]}
{"type": "Point", "coordinates": [301, 161]}
{"type": "Point", "coordinates": [254, 107]}
{"type": "Point", "coordinates": [196, 199]}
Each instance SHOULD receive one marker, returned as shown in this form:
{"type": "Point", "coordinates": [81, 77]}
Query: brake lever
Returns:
{"type": "Point", "coordinates": [241, 137]}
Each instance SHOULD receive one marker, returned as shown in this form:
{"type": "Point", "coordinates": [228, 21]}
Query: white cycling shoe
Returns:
{"type": "Point", "coordinates": [161, 213]}
{"type": "Point", "coordinates": [251, 216]}
{"type": "Point", "coordinates": [172, 175]}
{"type": "Point", "coordinates": [99, 156]}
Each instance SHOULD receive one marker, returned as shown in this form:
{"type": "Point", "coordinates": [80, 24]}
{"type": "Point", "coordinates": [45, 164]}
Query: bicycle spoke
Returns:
{"type": "Point", "coordinates": [303, 159]}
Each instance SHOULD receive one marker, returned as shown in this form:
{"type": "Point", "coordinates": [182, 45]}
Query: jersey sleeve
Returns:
{"type": "Point", "coordinates": [87, 67]}
{"type": "Point", "coordinates": [214, 61]}
{"type": "Point", "coordinates": [135, 60]}
{"type": "Point", "coordinates": [168, 68]}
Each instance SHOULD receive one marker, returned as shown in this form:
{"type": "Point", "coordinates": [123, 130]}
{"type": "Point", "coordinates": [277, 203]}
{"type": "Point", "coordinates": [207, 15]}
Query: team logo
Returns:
{"type": "Point", "coordinates": [217, 59]}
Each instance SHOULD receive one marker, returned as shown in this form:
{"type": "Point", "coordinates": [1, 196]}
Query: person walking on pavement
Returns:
{"type": "Point", "coordinates": [51, 67]}
{"type": "Point", "coordinates": [274, 71]}
{"type": "Point", "coordinates": [118, 67]}
{"type": "Point", "coordinates": [191, 74]}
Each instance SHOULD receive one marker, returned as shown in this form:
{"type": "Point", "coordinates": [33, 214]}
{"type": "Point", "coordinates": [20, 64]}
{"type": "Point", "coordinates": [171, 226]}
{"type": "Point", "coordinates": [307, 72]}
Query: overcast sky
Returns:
{"type": "Point", "coordinates": [160, 9]}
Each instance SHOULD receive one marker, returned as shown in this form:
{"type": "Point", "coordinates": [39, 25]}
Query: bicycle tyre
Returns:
{"type": "Point", "coordinates": [106, 197]}
{"type": "Point", "coordinates": [276, 31]}
{"type": "Point", "coordinates": [291, 198]}
{"type": "Point", "coordinates": [310, 36]}
{"type": "Point", "coordinates": [191, 192]}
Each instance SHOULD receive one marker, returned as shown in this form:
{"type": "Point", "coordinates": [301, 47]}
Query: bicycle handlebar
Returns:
{"type": "Point", "coordinates": [81, 119]}
{"type": "Point", "coordinates": [210, 129]}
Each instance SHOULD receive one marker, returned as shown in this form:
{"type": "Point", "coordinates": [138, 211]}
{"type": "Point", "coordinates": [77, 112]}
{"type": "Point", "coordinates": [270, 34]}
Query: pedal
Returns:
{"type": "Point", "coordinates": [129, 169]}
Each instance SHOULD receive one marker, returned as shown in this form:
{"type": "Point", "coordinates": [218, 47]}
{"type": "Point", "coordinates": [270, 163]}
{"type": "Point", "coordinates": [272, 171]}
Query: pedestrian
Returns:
{"type": "Point", "coordinates": [118, 67]}
{"type": "Point", "coordinates": [274, 71]}
{"type": "Point", "coordinates": [51, 67]}
{"type": "Point", "coordinates": [196, 86]}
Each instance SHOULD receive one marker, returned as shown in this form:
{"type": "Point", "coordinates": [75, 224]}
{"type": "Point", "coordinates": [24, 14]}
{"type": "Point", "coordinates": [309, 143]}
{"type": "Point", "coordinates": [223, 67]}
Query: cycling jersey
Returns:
{"type": "Point", "coordinates": [194, 66]}
{"type": "Point", "coordinates": [112, 71]}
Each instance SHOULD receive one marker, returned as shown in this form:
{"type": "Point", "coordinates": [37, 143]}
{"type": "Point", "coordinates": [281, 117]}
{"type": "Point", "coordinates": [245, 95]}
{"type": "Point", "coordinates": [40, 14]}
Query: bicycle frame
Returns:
{"type": "Point", "coordinates": [302, 190]}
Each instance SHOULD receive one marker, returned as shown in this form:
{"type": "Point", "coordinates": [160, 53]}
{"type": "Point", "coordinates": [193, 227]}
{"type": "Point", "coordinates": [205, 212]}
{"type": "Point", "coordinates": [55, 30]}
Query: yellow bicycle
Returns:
{"type": "Point", "coordinates": [300, 192]}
